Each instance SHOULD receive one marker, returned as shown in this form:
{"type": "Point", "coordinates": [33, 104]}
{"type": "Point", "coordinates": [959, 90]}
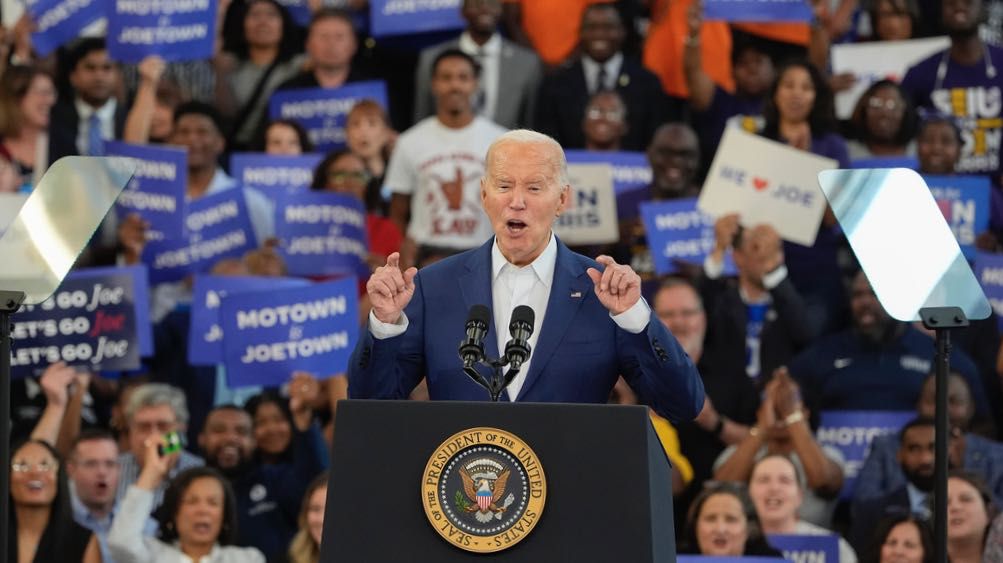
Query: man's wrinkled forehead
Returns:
{"type": "Point", "coordinates": [507, 158]}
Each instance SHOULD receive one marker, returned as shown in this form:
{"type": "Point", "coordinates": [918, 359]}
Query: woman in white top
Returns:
{"type": "Point", "coordinates": [198, 519]}
{"type": "Point", "coordinates": [777, 493]}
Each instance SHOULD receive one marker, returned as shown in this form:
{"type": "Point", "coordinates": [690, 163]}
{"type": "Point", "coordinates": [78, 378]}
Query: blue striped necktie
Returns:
{"type": "Point", "coordinates": [95, 144]}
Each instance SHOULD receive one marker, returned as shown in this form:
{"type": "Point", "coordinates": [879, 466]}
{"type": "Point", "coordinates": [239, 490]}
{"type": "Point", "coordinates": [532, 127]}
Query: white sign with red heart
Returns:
{"type": "Point", "coordinates": [766, 182]}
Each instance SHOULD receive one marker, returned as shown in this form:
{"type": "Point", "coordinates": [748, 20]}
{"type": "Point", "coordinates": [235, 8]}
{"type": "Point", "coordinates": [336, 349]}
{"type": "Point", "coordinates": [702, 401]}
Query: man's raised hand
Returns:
{"type": "Point", "coordinates": [618, 286]}
{"type": "Point", "coordinates": [390, 290]}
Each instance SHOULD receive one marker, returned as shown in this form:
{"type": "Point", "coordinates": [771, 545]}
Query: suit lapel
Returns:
{"type": "Point", "coordinates": [475, 285]}
{"type": "Point", "coordinates": [567, 293]}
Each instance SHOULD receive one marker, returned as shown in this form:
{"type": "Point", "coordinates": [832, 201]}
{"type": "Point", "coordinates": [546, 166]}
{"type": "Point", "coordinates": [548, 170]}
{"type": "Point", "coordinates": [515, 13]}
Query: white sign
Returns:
{"type": "Point", "coordinates": [878, 60]}
{"type": "Point", "coordinates": [590, 216]}
{"type": "Point", "coordinates": [766, 182]}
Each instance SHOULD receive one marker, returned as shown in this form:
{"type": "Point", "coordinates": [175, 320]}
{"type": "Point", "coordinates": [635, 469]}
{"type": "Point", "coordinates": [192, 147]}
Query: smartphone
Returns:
{"type": "Point", "coordinates": [172, 444]}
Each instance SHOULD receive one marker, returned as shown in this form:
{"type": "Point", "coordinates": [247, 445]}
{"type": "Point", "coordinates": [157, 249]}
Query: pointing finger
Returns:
{"type": "Point", "coordinates": [393, 261]}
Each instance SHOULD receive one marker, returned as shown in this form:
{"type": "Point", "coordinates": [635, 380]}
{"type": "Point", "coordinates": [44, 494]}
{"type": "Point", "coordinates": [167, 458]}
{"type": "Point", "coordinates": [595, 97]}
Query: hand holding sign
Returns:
{"type": "Point", "coordinates": [764, 249]}
{"type": "Point", "coordinates": [618, 286]}
{"type": "Point", "coordinates": [390, 290]}
{"type": "Point", "coordinates": [303, 391]}
{"type": "Point", "coordinates": [55, 382]}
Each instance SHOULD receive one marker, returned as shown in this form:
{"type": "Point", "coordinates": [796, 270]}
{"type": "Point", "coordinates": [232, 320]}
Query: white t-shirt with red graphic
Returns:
{"type": "Point", "coordinates": [441, 169]}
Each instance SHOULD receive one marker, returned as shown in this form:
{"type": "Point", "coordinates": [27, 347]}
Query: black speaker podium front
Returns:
{"type": "Point", "coordinates": [608, 498]}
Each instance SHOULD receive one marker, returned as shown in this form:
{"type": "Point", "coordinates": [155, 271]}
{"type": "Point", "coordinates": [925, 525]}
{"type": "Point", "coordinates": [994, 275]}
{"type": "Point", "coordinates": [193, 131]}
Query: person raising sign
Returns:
{"type": "Point", "coordinates": [591, 324]}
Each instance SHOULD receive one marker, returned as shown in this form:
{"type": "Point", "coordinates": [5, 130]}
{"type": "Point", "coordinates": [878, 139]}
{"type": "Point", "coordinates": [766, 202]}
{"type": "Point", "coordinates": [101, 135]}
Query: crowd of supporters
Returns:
{"type": "Point", "coordinates": [797, 332]}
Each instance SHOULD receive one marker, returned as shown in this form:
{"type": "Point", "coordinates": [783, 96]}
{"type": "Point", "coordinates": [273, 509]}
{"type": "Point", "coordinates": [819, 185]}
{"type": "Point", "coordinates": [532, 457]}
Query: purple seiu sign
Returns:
{"type": "Point", "coordinates": [851, 432]}
{"type": "Point", "coordinates": [274, 175]}
{"type": "Point", "coordinates": [407, 17]}
{"type": "Point", "coordinates": [217, 227]}
{"type": "Point", "coordinates": [157, 190]}
{"type": "Point", "coordinates": [96, 319]}
{"type": "Point", "coordinates": [176, 30]}
{"type": "Point", "coordinates": [679, 232]}
{"type": "Point", "coordinates": [58, 22]}
{"type": "Point", "coordinates": [323, 111]}
{"type": "Point", "coordinates": [205, 335]}
{"type": "Point", "coordinates": [268, 335]}
{"type": "Point", "coordinates": [322, 234]}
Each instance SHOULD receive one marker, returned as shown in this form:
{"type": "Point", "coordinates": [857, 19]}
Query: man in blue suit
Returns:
{"type": "Point", "coordinates": [591, 323]}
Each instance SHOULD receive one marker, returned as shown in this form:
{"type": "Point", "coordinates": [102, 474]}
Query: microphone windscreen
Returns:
{"type": "Point", "coordinates": [523, 314]}
{"type": "Point", "coordinates": [479, 313]}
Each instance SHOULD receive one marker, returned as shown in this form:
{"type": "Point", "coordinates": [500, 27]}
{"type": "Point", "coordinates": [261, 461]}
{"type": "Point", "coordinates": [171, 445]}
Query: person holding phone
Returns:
{"type": "Point", "coordinates": [198, 519]}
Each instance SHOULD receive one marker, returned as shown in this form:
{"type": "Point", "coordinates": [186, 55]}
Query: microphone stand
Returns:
{"type": "Point", "coordinates": [498, 382]}
{"type": "Point", "coordinates": [10, 302]}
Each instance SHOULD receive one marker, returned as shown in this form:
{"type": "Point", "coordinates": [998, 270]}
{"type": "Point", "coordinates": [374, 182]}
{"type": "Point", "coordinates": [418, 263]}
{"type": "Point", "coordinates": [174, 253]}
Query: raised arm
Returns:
{"type": "Point", "coordinates": [700, 85]}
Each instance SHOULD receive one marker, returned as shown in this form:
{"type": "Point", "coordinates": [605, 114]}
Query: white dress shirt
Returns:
{"type": "Point", "coordinates": [612, 68]}
{"type": "Point", "coordinates": [512, 286]}
{"type": "Point", "coordinates": [489, 57]}
{"type": "Point", "coordinates": [105, 113]}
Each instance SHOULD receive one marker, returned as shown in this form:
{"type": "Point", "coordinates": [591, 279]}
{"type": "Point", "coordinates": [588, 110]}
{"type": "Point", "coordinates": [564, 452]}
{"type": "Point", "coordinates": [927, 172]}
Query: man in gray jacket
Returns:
{"type": "Point", "coordinates": [499, 59]}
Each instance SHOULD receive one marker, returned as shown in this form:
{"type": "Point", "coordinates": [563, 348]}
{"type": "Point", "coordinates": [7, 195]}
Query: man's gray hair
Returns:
{"type": "Point", "coordinates": [530, 137]}
{"type": "Point", "coordinates": [154, 395]}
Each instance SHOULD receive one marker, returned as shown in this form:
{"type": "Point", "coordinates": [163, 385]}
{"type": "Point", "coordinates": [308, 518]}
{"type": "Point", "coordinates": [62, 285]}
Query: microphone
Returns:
{"type": "Point", "coordinates": [472, 347]}
{"type": "Point", "coordinates": [521, 328]}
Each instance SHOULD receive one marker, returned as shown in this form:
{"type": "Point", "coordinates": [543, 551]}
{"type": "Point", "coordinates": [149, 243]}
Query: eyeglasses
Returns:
{"type": "Point", "coordinates": [890, 105]}
{"type": "Point", "coordinates": [610, 114]}
{"type": "Point", "coordinates": [41, 467]}
{"type": "Point", "coordinates": [340, 176]}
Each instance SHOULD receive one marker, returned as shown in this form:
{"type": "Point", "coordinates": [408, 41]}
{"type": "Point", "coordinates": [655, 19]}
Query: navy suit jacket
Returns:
{"type": "Point", "coordinates": [577, 358]}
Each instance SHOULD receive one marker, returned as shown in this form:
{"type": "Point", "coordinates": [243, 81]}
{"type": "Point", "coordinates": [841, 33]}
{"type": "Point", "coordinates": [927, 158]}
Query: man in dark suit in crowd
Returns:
{"type": "Point", "coordinates": [88, 115]}
{"type": "Point", "coordinates": [591, 326]}
{"type": "Point", "coordinates": [603, 66]}
{"type": "Point", "coordinates": [510, 74]}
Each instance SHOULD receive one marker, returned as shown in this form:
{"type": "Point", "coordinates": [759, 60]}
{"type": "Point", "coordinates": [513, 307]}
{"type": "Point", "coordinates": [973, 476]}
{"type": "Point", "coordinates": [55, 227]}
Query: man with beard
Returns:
{"type": "Point", "coordinates": [268, 495]}
{"type": "Point", "coordinates": [916, 459]}
{"type": "Point", "coordinates": [436, 167]}
{"type": "Point", "coordinates": [510, 73]}
{"type": "Point", "coordinates": [876, 364]}
{"type": "Point", "coordinates": [674, 156]}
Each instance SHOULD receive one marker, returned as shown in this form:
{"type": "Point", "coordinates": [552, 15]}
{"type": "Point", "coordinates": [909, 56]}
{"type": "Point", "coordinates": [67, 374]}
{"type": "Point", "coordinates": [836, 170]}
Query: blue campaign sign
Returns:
{"type": "Point", "coordinates": [989, 271]}
{"type": "Point", "coordinates": [205, 336]}
{"type": "Point", "coordinates": [59, 21]}
{"type": "Point", "coordinates": [678, 231]}
{"type": "Point", "coordinates": [217, 226]}
{"type": "Point", "coordinates": [322, 111]}
{"type": "Point", "coordinates": [268, 335]}
{"type": "Point", "coordinates": [758, 10]}
{"type": "Point", "coordinates": [909, 162]}
{"type": "Point", "coordinates": [807, 549]}
{"type": "Point", "coordinates": [322, 234]}
{"type": "Point", "coordinates": [157, 190]}
{"type": "Point", "coordinates": [630, 169]}
{"type": "Point", "coordinates": [273, 175]}
{"type": "Point", "coordinates": [177, 30]}
{"type": "Point", "coordinates": [299, 10]}
{"type": "Point", "coordinates": [964, 201]}
{"type": "Point", "coordinates": [404, 17]}
{"type": "Point", "coordinates": [851, 432]}
{"type": "Point", "coordinates": [711, 559]}
{"type": "Point", "coordinates": [91, 321]}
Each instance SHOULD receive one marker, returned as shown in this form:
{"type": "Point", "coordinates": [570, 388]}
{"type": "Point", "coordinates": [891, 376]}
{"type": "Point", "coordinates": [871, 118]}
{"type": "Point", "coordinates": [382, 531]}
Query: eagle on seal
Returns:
{"type": "Point", "coordinates": [484, 498]}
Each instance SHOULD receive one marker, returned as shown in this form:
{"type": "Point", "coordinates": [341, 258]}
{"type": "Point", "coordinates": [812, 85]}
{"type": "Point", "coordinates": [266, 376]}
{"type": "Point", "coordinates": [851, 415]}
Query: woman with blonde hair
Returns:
{"type": "Point", "coordinates": [305, 547]}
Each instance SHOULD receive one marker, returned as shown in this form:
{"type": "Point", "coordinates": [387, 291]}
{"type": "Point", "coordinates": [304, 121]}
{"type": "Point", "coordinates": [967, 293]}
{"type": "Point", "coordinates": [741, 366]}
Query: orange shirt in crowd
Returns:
{"type": "Point", "coordinates": [552, 26]}
{"type": "Point", "coordinates": [663, 50]}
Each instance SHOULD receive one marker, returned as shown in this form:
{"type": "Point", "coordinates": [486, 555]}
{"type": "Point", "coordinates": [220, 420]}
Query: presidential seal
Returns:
{"type": "Point", "coordinates": [483, 490]}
